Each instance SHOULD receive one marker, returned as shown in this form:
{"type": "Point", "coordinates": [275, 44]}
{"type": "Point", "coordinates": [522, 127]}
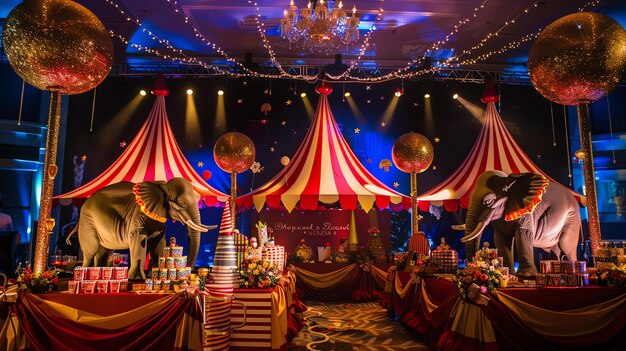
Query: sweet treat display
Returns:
{"type": "Point", "coordinates": [446, 259]}
{"type": "Point", "coordinates": [98, 280]}
{"type": "Point", "coordinates": [563, 273]}
{"type": "Point", "coordinates": [275, 255]}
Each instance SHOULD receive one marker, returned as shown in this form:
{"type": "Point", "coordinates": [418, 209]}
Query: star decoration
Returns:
{"type": "Point", "coordinates": [256, 167]}
{"type": "Point", "coordinates": [368, 87]}
{"type": "Point", "coordinates": [437, 139]}
{"type": "Point", "coordinates": [396, 184]}
{"type": "Point", "coordinates": [283, 123]}
{"type": "Point", "coordinates": [123, 144]}
{"type": "Point", "coordinates": [369, 101]}
{"type": "Point", "coordinates": [382, 98]}
{"type": "Point", "coordinates": [415, 104]}
{"type": "Point", "coordinates": [357, 131]}
{"type": "Point", "coordinates": [383, 124]}
{"type": "Point", "coordinates": [200, 164]}
{"type": "Point", "coordinates": [245, 83]}
{"type": "Point", "coordinates": [83, 158]}
{"type": "Point", "coordinates": [434, 168]}
{"type": "Point", "coordinates": [272, 149]}
{"type": "Point", "coordinates": [288, 102]}
{"type": "Point", "coordinates": [239, 101]}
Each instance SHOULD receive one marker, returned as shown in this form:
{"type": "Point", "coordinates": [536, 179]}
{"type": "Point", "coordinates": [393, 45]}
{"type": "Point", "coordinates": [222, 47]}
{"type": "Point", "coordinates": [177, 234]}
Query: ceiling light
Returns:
{"type": "Point", "coordinates": [318, 28]}
{"type": "Point", "coordinates": [347, 94]}
{"type": "Point", "coordinates": [142, 92]}
{"type": "Point", "coordinates": [427, 96]}
{"type": "Point", "coordinates": [220, 92]}
{"type": "Point", "coordinates": [189, 91]}
{"type": "Point", "coordinates": [455, 96]}
{"type": "Point", "coordinates": [399, 92]}
{"type": "Point", "coordinates": [302, 95]}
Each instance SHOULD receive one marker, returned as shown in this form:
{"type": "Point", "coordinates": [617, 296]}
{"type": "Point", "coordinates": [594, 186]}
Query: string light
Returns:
{"type": "Point", "coordinates": [189, 92]}
{"type": "Point", "coordinates": [142, 92]}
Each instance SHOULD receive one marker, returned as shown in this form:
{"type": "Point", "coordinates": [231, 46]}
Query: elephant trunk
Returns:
{"type": "Point", "coordinates": [194, 237]}
{"type": "Point", "coordinates": [472, 244]}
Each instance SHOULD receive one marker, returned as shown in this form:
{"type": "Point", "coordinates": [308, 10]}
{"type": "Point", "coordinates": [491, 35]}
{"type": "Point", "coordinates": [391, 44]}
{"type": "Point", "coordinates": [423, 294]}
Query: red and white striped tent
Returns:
{"type": "Point", "coordinates": [495, 149]}
{"type": "Point", "coordinates": [152, 155]}
{"type": "Point", "coordinates": [324, 169]}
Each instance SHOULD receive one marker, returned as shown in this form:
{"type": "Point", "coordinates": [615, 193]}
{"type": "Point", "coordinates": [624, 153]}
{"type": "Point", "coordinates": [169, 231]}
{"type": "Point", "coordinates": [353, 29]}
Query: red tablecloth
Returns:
{"type": "Point", "coordinates": [103, 304]}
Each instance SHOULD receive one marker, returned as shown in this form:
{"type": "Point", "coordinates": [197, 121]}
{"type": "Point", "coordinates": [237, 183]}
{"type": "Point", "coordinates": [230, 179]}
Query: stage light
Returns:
{"type": "Point", "coordinates": [455, 96]}
{"type": "Point", "coordinates": [427, 96]}
{"type": "Point", "coordinates": [142, 92]}
{"type": "Point", "coordinates": [347, 94]}
{"type": "Point", "coordinates": [399, 92]}
{"type": "Point", "coordinates": [302, 95]}
{"type": "Point", "coordinates": [220, 92]}
{"type": "Point", "coordinates": [189, 91]}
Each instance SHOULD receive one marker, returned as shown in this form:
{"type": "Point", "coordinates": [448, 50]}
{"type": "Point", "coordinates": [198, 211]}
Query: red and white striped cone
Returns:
{"type": "Point", "coordinates": [216, 340]}
{"type": "Point", "coordinates": [225, 269]}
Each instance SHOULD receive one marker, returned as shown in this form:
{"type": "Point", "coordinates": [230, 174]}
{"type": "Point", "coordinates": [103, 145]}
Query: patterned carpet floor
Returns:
{"type": "Point", "coordinates": [352, 326]}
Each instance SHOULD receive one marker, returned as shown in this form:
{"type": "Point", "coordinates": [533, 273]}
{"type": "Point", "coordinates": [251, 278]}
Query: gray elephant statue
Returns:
{"type": "Point", "coordinates": [526, 210]}
{"type": "Point", "coordinates": [132, 216]}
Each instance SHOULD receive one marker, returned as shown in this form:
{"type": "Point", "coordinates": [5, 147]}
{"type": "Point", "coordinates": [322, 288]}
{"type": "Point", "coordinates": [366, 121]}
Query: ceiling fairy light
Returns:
{"type": "Point", "coordinates": [142, 92]}
{"type": "Point", "coordinates": [189, 91]}
{"type": "Point", "coordinates": [427, 96]}
{"type": "Point", "coordinates": [318, 28]}
{"type": "Point", "coordinates": [302, 95]}
{"type": "Point", "coordinates": [455, 96]}
{"type": "Point", "coordinates": [220, 92]}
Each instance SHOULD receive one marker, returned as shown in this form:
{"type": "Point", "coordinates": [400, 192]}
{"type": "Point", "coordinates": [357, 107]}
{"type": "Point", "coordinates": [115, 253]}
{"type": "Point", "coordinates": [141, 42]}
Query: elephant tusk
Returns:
{"type": "Point", "coordinates": [479, 229]}
{"type": "Point", "coordinates": [208, 227]}
{"type": "Point", "coordinates": [458, 227]}
{"type": "Point", "coordinates": [194, 226]}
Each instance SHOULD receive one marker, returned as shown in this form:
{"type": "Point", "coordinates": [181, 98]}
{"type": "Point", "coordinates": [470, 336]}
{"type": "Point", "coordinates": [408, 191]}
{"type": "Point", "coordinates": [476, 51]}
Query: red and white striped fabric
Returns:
{"type": "Point", "coordinates": [324, 169]}
{"type": "Point", "coordinates": [226, 226]}
{"type": "Point", "coordinates": [256, 334]}
{"type": "Point", "coordinates": [152, 155]}
{"type": "Point", "coordinates": [495, 149]}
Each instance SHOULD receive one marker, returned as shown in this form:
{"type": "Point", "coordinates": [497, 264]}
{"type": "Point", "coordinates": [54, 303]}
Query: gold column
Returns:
{"type": "Point", "coordinates": [590, 179]}
{"type": "Point", "coordinates": [50, 171]}
{"type": "Point", "coordinates": [233, 196]}
{"type": "Point", "coordinates": [414, 208]}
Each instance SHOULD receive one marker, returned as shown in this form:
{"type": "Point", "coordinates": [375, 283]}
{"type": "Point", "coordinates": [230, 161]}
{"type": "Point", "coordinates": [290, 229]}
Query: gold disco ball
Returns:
{"type": "Point", "coordinates": [412, 153]}
{"type": "Point", "coordinates": [234, 152]}
{"type": "Point", "coordinates": [57, 45]}
{"type": "Point", "coordinates": [578, 58]}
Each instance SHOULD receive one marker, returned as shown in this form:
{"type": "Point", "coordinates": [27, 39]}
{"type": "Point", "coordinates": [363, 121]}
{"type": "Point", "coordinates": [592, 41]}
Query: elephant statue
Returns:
{"type": "Point", "coordinates": [132, 216]}
{"type": "Point", "coordinates": [526, 210]}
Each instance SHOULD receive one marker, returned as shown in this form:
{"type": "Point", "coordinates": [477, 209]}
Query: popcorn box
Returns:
{"type": "Point", "coordinates": [120, 273]}
{"type": "Point", "coordinates": [115, 286]}
{"type": "Point", "coordinates": [163, 274]}
{"type": "Point", "coordinates": [580, 267]}
{"type": "Point", "coordinates": [180, 262]}
{"type": "Point", "coordinates": [169, 262]}
{"type": "Point", "coordinates": [155, 273]}
{"type": "Point", "coordinates": [542, 279]}
{"type": "Point", "coordinates": [107, 273]}
{"type": "Point", "coordinates": [136, 286]}
{"type": "Point", "coordinates": [176, 251]}
{"type": "Point", "coordinates": [102, 286]}
{"type": "Point", "coordinates": [571, 280]}
{"type": "Point", "coordinates": [79, 273]}
{"type": "Point", "coordinates": [567, 267]}
{"type": "Point", "coordinates": [171, 274]}
{"type": "Point", "coordinates": [149, 284]}
{"type": "Point", "coordinates": [166, 252]}
{"type": "Point", "coordinates": [546, 266]}
{"type": "Point", "coordinates": [161, 262]}
{"type": "Point", "coordinates": [93, 273]}
{"type": "Point", "coordinates": [446, 260]}
{"type": "Point", "coordinates": [73, 286]}
{"type": "Point", "coordinates": [124, 285]}
{"type": "Point", "coordinates": [554, 279]}
{"type": "Point", "coordinates": [557, 267]}
{"type": "Point", "coordinates": [89, 286]}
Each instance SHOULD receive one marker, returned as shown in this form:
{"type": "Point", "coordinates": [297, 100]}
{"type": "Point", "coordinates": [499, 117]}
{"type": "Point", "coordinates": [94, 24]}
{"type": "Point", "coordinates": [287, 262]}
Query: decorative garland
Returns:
{"type": "Point", "coordinates": [142, 206]}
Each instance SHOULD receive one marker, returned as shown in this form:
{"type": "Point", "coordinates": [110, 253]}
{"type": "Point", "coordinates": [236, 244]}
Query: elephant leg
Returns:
{"type": "Point", "coordinates": [525, 255]}
{"type": "Point", "coordinates": [156, 250]}
{"type": "Point", "coordinates": [504, 244]}
{"type": "Point", "coordinates": [137, 259]}
{"type": "Point", "coordinates": [100, 259]}
{"type": "Point", "coordinates": [568, 242]}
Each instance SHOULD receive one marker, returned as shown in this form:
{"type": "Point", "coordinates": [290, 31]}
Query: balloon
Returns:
{"type": "Point", "coordinates": [57, 45]}
{"type": "Point", "coordinates": [207, 175]}
{"type": "Point", "coordinates": [234, 152]}
{"type": "Point", "coordinates": [578, 58]}
{"type": "Point", "coordinates": [284, 160]}
{"type": "Point", "coordinates": [412, 153]}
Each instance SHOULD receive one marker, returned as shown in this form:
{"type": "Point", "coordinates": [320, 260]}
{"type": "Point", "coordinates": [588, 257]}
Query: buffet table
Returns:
{"type": "Point", "coordinates": [340, 281]}
{"type": "Point", "coordinates": [545, 318]}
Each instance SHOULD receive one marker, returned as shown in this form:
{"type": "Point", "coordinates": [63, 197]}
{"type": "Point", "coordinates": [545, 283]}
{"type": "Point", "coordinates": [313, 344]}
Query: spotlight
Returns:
{"type": "Point", "coordinates": [302, 95]}
{"type": "Point", "coordinates": [399, 92]}
{"type": "Point", "coordinates": [427, 96]}
{"type": "Point", "coordinates": [220, 92]}
{"type": "Point", "coordinates": [455, 96]}
{"type": "Point", "coordinates": [142, 92]}
{"type": "Point", "coordinates": [347, 94]}
{"type": "Point", "coordinates": [189, 91]}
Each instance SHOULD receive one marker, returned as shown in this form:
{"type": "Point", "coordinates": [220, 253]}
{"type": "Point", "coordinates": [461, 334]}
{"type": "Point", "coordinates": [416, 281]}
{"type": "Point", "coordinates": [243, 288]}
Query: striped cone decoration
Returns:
{"type": "Point", "coordinates": [216, 340]}
{"type": "Point", "coordinates": [225, 270]}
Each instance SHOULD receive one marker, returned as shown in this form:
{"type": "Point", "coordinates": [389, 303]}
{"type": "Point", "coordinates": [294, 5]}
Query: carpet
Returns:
{"type": "Point", "coordinates": [352, 326]}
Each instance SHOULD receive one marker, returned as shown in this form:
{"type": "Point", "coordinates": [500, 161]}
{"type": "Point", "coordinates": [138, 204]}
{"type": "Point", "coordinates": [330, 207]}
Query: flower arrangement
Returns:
{"type": "Point", "coordinates": [36, 283]}
{"type": "Point", "coordinates": [424, 266]}
{"type": "Point", "coordinates": [259, 274]}
{"type": "Point", "coordinates": [615, 276]}
{"type": "Point", "coordinates": [488, 255]}
{"type": "Point", "coordinates": [400, 260]}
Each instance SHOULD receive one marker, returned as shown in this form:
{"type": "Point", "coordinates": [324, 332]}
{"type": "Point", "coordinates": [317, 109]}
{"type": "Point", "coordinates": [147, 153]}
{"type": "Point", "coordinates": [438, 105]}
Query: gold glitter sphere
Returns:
{"type": "Point", "coordinates": [57, 45]}
{"type": "Point", "coordinates": [412, 153]}
{"type": "Point", "coordinates": [578, 58]}
{"type": "Point", "coordinates": [234, 152]}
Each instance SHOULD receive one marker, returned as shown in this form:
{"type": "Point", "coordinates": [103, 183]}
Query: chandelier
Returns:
{"type": "Point", "coordinates": [317, 28]}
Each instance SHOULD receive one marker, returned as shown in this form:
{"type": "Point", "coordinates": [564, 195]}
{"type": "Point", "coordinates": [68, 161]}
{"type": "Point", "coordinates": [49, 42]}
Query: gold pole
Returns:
{"type": "Point", "coordinates": [50, 171]}
{"type": "Point", "coordinates": [590, 179]}
{"type": "Point", "coordinates": [233, 196]}
{"type": "Point", "coordinates": [414, 208]}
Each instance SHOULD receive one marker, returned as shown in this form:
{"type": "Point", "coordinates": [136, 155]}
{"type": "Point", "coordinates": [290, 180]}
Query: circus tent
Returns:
{"type": "Point", "coordinates": [494, 149]}
{"type": "Point", "coordinates": [324, 169]}
{"type": "Point", "coordinates": [152, 155]}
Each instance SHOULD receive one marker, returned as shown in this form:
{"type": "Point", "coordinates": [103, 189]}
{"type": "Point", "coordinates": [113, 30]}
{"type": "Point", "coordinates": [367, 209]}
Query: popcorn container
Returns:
{"type": "Point", "coordinates": [120, 273]}
{"type": "Point", "coordinates": [155, 273]}
{"type": "Point", "coordinates": [115, 286]}
{"type": "Point", "coordinates": [180, 262]}
{"type": "Point", "coordinates": [163, 274]}
{"type": "Point", "coordinates": [149, 284]}
{"type": "Point", "coordinates": [166, 252]}
{"type": "Point", "coordinates": [72, 286]}
{"type": "Point", "coordinates": [169, 262]}
{"type": "Point", "coordinates": [161, 262]}
{"type": "Point", "coordinates": [89, 286]}
{"type": "Point", "coordinates": [124, 285]}
{"type": "Point", "coordinates": [171, 274]}
{"type": "Point", "coordinates": [102, 286]}
{"type": "Point", "coordinates": [107, 273]}
{"type": "Point", "coordinates": [79, 273]}
{"type": "Point", "coordinates": [93, 273]}
{"type": "Point", "coordinates": [176, 251]}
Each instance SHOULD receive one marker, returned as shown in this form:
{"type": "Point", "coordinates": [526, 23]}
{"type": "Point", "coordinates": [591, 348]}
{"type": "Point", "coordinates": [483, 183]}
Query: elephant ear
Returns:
{"type": "Point", "coordinates": [524, 192]}
{"type": "Point", "coordinates": [151, 199]}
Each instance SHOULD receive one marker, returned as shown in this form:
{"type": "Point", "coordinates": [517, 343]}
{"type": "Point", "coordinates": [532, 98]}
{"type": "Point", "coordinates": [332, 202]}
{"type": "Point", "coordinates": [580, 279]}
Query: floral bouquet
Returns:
{"type": "Point", "coordinates": [36, 283]}
{"type": "Point", "coordinates": [488, 255]}
{"type": "Point", "coordinates": [425, 266]}
{"type": "Point", "coordinates": [615, 276]}
{"type": "Point", "coordinates": [477, 278]}
{"type": "Point", "coordinates": [400, 260]}
{"type": "Point", "coordinates": [303, 253]}
{"type": "Point", "coordinates": [259, 274]}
